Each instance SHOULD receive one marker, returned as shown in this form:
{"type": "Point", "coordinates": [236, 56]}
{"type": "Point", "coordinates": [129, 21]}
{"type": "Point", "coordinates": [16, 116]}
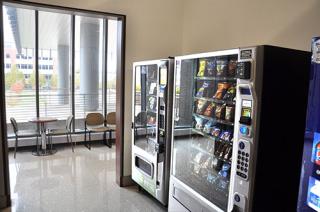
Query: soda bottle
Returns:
{"type": "Point", "coordinates": [317, 154]}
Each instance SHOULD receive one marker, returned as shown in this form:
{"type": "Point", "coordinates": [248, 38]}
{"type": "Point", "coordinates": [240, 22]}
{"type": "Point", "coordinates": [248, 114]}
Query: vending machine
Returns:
{"type": "Point", "coordinates": [309, 194]}
{"type": "Point", "coordinates": [151, 126]}
{"type": "Point", "coordinates": [240, 115]}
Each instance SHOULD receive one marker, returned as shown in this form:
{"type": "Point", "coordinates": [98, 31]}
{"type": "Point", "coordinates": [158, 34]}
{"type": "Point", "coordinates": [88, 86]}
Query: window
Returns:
{"type": "Point", "coordinates": [7, 55]}
{"type": "Point", "coordinates": [19, 92]}
{"type": "Point", "coordinates": [93, 74]}
{"type": "Point", "coordinates": [89, 58]}
{"type": "Point", "coordinates": [111, 66]}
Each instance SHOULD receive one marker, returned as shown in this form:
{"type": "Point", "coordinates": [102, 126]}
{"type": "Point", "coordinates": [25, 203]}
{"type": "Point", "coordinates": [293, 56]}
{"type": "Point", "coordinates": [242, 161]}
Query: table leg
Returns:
{"type": "Point", "coordinates": [43, 137]}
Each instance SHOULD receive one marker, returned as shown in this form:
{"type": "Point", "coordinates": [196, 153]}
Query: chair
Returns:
{"type": "Point", "coordinates": [111, 124]}
{"type": "Point", "coordinates": [23, 134]}
{"type": "Point", "coordinates": [140, 122]}
{"type": "Point", "coordinates": [94, 123]}
{"type": "Point", "coordinates": [67, 131]}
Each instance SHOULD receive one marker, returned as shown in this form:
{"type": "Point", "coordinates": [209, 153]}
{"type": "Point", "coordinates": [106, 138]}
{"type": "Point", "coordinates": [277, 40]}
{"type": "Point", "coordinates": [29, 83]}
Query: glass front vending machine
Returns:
{"type": "Point", "coordinates": [309, 195]}
{"type": "Point", "coordinates": [238, 126]}
{"type": "Point", "coordinates": [151, 126]}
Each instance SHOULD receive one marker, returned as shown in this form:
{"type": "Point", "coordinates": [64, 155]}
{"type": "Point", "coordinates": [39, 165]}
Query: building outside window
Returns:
{"type": "Point", "coordinates": [94, 73]}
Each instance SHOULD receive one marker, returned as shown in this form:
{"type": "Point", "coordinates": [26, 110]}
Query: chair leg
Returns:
{"type": "Point", "coordinates": [15, 147]}
{"type": "Point", "coordinates": [37, 143]}
{"type": "Point", "coordinates": [108, 140]}
{"type": "Point", "coordinates": [89, 140]}
{"type": "Point", "coordinates": [71, 143]}
{"type": "Point", "coordinates": [50, 142]}
{"type": "Point", "coordinates": [85, 139]}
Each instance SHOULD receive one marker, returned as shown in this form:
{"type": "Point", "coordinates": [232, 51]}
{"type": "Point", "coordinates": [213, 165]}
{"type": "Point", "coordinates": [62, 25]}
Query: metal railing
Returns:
{"type": "Point", "coordinates": [23, 106]}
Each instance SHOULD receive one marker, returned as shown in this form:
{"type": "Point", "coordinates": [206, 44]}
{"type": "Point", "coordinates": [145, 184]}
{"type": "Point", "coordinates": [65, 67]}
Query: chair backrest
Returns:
{"type": "Point", "coordinates": [141, 118]}
{"type": "Point", "coordinates": [111, 118]}
{"type": "Point", "coordinates": [14, 124]}
{"type": "Point", "coordinates": [94, 119]}
{"type": "Point", "coordinates": [69, 123]}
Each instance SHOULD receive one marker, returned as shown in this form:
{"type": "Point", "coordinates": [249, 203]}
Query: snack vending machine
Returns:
{"type": "Point", "coordinates": [151, 125]}
{"type": "Point", "coordinates": [309, 194]}
{"type": "Point", "coordinates": [240, 115]}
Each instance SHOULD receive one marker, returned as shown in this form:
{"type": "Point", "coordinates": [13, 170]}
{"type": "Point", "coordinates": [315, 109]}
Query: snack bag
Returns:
{"type": "Point", "coordinates": [232, 65]}
{"type": "Point", "coordinates": [210, 109]}
{"type": "Point", "coordinates": [202, 68]}
{"type": "Point", "coordinates": [223, 150]}
{"type": "Point", "coordinates": [199, 123]}
{"type": "Point", "coordinates": [151, 120]}
{"type": "Point", "coordinates": [201, 90]}
{"type": "Point", "coordinates": [229, 113]}
{"type": "Point", "coordinates": [216, 132]}
{"type": "Point", "coordinates": [221, 68]}
{"type": "Point", "coordinates": [208, 126]}
{"type": "Point", "coordinates": [201, 106]}
{"type": "Point", "coordinates": [228, 153]}
{"type": "Point", "coordinates": [231, 93]}
{"type": "Point", "coordinates": [226, 135]}
{"type": "Point", "coordinates": [152, 103]}
{"type": "Point", "coordinates": [220, 111]}
{"type": "Point", "coordinates": [211, 67]}
{"type": "Point", "coordinates": [224, 172]}
{"type": "Point", "coordinates": [222, 89]}
{"type": "Point", "coordinates": [216, 164]}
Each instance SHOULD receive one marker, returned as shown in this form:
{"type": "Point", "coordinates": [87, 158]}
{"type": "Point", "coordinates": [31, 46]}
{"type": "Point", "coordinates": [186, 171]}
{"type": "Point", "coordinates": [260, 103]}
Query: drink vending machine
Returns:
{"type": "Point", "coordinates": [238, 127]}
{"type": "Point", "coordinates": [151, 126]}
{"type": "Point", "coordinates": [309, 194]}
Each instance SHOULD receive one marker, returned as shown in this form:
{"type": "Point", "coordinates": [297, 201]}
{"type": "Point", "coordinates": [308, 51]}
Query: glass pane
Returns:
{"type": "Point", "coordinates": [112, 65]}
{"type": "Point", "coordinates": [146, 87]}
{"type": "Point", "coordinates": [54, 66]}
{"type": "Point", "coordinates": [204, 115]}
{"type": "Point", "coordinates": [89, 69]}
{"type": "Point", "coordinates": [19, 46]}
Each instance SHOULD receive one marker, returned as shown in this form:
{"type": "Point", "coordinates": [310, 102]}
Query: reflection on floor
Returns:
{"type": "Point", "coordinates": [66, 181]}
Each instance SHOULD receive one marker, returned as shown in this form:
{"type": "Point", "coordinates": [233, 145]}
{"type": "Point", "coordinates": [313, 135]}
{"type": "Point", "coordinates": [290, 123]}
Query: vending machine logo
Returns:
{"type": "Point", "coordinates": [315, 157]}
{"type": "Point", "coordinates": [316, 50]}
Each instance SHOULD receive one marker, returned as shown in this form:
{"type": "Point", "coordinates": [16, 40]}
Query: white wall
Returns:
{"type": "Point", "coordinates": [213, 25]}
{"type": "Point", "coordinates": [161, 28]}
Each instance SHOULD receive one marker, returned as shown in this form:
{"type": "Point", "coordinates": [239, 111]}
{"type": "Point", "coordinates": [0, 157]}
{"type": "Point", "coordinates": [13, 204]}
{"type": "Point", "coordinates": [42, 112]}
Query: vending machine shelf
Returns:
{"type": "Point", "coordinates": [211, 137]}
{"type": "Point", "coordinates": [220, 121]}
{"type": "Point", "coordinates": [216, 78]}
{"type": "Point", "coordinates": [219, 101]}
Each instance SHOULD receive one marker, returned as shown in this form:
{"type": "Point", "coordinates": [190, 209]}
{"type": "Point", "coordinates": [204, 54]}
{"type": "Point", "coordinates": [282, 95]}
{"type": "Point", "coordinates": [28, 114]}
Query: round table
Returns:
{"type": "Point", "coordinates": [42, 122]}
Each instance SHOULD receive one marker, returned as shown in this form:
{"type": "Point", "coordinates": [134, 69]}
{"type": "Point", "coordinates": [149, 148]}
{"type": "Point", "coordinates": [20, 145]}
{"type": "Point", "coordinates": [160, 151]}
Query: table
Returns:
{"type": "Point", "coordinates": [42, 122]}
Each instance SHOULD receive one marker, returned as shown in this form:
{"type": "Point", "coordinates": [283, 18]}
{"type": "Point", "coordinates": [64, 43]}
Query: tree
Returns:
{"type": "Point", "coordinates": [13, 77]}
{"type": "Point", "coordinates": [42, 79]}
{"type": "Point", "coordinates": [54, 81]}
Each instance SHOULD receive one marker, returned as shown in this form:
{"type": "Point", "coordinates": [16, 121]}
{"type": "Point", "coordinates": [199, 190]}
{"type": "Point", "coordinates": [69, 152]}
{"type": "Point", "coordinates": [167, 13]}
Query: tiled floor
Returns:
{"type": "Point", "coordinates": [66, 181]}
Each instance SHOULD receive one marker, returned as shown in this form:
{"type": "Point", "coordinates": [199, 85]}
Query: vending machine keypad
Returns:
{"type": "Point", "coordinates": [243, 159]}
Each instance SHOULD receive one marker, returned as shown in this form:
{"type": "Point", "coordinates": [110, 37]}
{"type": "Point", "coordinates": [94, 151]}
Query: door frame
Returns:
{"type": "Point", "coordinates": [5, 198]}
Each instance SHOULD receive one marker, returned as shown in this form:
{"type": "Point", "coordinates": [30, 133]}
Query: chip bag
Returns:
{"type": "Point", "coordinates": [220, 111]}
{"type": "Point", "coordinates": [202, 68]}
{"type": "Point", "coordinates": [222, 89]}
{"type": "Point", "coordinates": [210, 109]}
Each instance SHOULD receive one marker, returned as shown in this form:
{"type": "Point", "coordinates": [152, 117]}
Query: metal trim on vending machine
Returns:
{"type": "Point", "coordinates": [151, 126]}
{"type": "Point", "coordinates": [271, 91]}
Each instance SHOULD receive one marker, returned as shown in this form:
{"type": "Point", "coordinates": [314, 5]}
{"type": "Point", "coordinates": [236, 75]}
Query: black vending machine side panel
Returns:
{"type": "Point", "coordinates": [281, 131]}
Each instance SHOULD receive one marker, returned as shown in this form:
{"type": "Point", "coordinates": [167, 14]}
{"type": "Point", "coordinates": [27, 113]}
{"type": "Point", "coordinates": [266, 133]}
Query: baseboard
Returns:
{"type": "Point", "coordinates": [126, 181]}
